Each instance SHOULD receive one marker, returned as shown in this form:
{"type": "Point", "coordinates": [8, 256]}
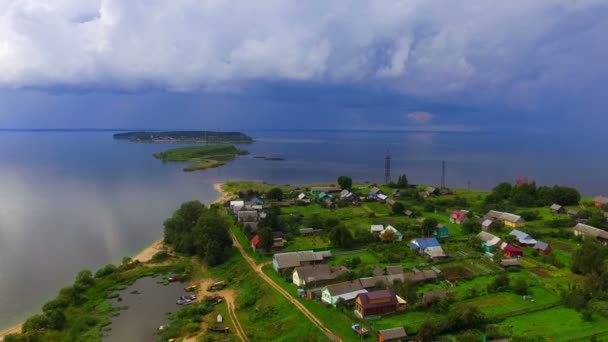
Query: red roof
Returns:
{"type": "Point", "coordinates": [458, 215]}
{"type": "Point", "coordinates": [256, 240]}
{"type": "Point", "coordinates": [512, 249]}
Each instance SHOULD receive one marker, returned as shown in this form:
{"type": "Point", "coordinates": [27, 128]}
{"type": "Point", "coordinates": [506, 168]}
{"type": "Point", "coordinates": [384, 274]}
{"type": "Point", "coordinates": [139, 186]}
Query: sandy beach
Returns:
{"type": "Point", "coordinates": [224, 195]}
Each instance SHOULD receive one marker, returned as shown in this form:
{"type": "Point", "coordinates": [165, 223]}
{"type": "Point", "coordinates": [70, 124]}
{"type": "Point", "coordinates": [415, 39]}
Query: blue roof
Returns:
{"type": "Point", "coordinates": [423, 243]}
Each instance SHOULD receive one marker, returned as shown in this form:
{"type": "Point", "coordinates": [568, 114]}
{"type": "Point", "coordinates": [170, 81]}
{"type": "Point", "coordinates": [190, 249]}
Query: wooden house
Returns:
{"type": "Point", "coordinates": [346, 291]}
{"type": "Point", "coordinates": [510, 263]}
{"type": "Point", "coordinates": [391, 234]}
{"type": "Point", "coordinates": [542, 248]}
{"type": "Point", "coordinates": [510, 220]}
{"type": "Point", "coordinates": [557, 209]}
{"type": "Point", "coordinates": [284, 263]}
{"type": "Point", "coordinates": [396, 193]}
{"type": "Point", "coordinates": [588, 231]}
{"type": "Point", "coordinates": [315, 275]}
{"type": "Point", "coordinates": [376, 229]}
{"type": "Point", "coordinates": [393, 334]}
{"type": "Point", "coordinates": [375, 303]}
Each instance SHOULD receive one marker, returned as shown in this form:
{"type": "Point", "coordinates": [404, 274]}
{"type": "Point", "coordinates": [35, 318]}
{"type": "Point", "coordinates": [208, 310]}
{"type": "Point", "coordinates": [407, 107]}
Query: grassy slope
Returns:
{"type": "Point", "coordinates": [544, 290]}
{"type": "Point", "coordinates": [264, 314]}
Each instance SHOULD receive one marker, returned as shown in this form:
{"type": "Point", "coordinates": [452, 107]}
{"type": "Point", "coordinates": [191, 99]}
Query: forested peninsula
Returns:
{"type": "Point", "coordinates": [207, 137]}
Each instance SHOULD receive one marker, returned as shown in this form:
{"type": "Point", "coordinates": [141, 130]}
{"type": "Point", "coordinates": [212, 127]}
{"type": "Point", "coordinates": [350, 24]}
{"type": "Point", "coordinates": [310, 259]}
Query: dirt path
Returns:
{"type": "Point", "coordinates": [229, 296]}
{"type": "Point", "coordinates": [298, 305]}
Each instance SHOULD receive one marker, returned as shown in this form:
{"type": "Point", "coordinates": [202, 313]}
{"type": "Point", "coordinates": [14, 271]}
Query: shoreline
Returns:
{"type": "Point", "coordinates": [142, 256]}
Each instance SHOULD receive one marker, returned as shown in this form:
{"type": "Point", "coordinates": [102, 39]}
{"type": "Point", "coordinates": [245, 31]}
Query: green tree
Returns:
{"type": "Point", "coordinates": [275, 194]}
{"type": "Point", "coordinates": [466, 317]}
{"type": "Point", "coordinates": [500, 283]}
{"type": "Point", "coordinates": [178, 228]}
{"type": "Point", "coordinates": [428, 226]}
{"type": "Point", "coordinates": [340, 236]}
{"type": "Point", "coordinates": [345, 182]}
{"type": "Point", "coordinates": [265, 236]}
{"type": "Point", "coordinates": [589, 258]}
{"type": "Point", "coordinates": [398, 208]}
{"type": "Point", "coordinates": [84, 280]}
{"type": "Point", "coordinates": [471, 226]}
{"type": "Point", "coordinates": [524, 195]}
{"type": "Point", "coordinates": [520, 287]}
{"type": "Point", "coordinates": [402, 182]}
{"type": "Point", "coordinates": [211, 237]}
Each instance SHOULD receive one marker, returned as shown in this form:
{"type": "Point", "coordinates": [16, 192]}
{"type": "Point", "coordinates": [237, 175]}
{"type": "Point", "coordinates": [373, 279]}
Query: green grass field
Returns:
{"type": "Point", "coordinates": [556, 324]}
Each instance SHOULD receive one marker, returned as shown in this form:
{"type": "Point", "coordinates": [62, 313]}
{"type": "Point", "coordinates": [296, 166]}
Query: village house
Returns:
{"type": "Point", "coordinates": [487, 225]}
{"type": "Point", "coordinates": [523, 239]}
{"type": "Point", "coordinates": [393, 334]}
{"type": "Point", "coordinates": [396, 193]}
{"type": "Point", "coordinates": [382, 197]}
{"type": "Point", "coordinates": [542, 248]}
{"type": "Point", "coordinates": [376, 303]}
{"type": "Point", "coordinates": [255, 242]}
{"type": "Point", "coordinates": [302, 197]}
{"type": "Point", "coordinates": [307, 231]}
{"type": "Point", "coordinates": [316, 275]}
{"type": "Point", "coordinates": [376, 229]}
{"type": "Point", "coordinates": [374, 192]}
{"type": "Point", "coordinates": [572, 212]}
{"type": "Point", "coordinates": [284, 263]}
{"type": "Point", "coordinates": [557, 209]}
{"type": "Point", "coordinates": [322, 196]}
{"type": "Point", "coordinates": [588, 231]}
{"type": "Point", "coordinates": [598, 201]}
{"type": "Point", "coordinates": [391, 234]}
{"type": "Point", "coordinates": [510, 220]}
{"type": "Point", "coordinates": [370, 283]}
{"type": "Point", "coordinates": [390, 270]}
{"type": "Point", "coordinates": [431, 191]}
{"type": "Point", "coordinates": [248, 218]}
{"type": "Point", "coordinates": [429, 247]}
{"type": "Point", "coordinates": [346, 291]}
{"type": "Point", "coordinates": [511, 252]}
{"type": "Point", "coordinates": [510, 263]}
{"type": "Point", "coordinates": [390, 202]}
{"type": "Point", "coordinates": [236, 206]}
{"type": "Point", "coordinates": [441, 231]}
{"type": "Point", "coordinates": [489, 242]}
{"type": "Point", "coordinates": [458, 216]}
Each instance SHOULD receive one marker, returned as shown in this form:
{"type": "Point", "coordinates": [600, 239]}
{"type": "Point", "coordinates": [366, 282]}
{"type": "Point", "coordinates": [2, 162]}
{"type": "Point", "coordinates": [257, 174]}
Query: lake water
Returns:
{"type": "Point", "coordinates": [74, 200]}
{"type": "Point", "coordinates": [146, 310]}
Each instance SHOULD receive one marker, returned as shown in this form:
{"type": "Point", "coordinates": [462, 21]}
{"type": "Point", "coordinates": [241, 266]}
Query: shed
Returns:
{"type": "Point", "coordinates": [458, 216]}
{"type": "Point", "coordinates": [391, 234]}
{"type": "Point", "coordinates": [441, 232]}
{"type": "Point", "coordinates": [557, 209]}
{"type": "Point", "coordinates": [307, 231]}
{"type": "Point", "coordinates": [542, 248]}
{"type": "Point", "coordinates": [393, 334]}
{"type": "Point", "coordinates": [523, 239]}
{"type": "Point", "coordinates": [510, 263]}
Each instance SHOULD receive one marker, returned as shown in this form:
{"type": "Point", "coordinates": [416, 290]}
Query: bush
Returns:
{"type": "Point", "coordinates": [500, 283]}
{"type": "Point", "coordinates": [106, 271]}
{"type": "Point", "coordinates": [159, 257]}
{"type": "Point", "coordinates": [520, 287]}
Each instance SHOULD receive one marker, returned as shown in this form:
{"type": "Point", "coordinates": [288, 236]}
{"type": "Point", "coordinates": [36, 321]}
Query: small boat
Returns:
{"type": "Point", "coordinates": [191, 288]}
{"type": "Point", "coordinates": [224, 330]}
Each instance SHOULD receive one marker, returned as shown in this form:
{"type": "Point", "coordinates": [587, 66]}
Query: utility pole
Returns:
{"type": "Point", "coordinates": [443, 174]}
{"type": "Point", "coordinates": [387, 167]}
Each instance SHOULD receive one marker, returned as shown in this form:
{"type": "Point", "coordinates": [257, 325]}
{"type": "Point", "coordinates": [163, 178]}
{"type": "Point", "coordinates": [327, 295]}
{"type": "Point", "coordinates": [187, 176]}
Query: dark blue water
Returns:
{"type": "Point", "coordinates": [73, 200]}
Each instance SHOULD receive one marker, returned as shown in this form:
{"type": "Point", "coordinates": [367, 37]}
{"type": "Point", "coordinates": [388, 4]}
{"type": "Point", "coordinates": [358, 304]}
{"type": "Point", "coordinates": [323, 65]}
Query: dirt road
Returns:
{"type": "Point", "coordinates": [298, 305]}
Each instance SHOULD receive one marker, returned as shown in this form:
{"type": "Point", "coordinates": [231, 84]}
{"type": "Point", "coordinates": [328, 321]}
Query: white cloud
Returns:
{"type": "Point", "coordinates": [420, 117]}
{"type": "Point", "coordinates": [513, 49]}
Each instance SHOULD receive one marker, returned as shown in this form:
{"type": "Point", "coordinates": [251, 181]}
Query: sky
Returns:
{"type": "Point", "coordinates": [389, 65]}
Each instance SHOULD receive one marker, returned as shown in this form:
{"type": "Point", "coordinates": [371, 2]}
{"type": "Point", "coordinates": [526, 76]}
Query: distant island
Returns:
{"type": "Point", "coordinates": [206, 137]}
{"type": "Point", "coordinates": [203, 157]}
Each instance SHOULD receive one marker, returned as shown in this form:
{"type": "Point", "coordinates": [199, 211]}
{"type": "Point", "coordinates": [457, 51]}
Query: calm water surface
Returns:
{"type": "Point", "coordinates": [74, 200]}
{"type": "Point", "coordinates": [147, 310]}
